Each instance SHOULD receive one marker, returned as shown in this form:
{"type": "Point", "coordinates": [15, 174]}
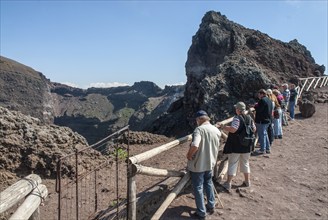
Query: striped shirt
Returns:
{"type": "Point", "coordinates": [236, 123]}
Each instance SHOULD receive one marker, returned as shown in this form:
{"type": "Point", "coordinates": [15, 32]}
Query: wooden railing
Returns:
{"type": "Point", "coordinates": [305, 84]}
{"type": "Point", "coordinates": [135, 168]}
{"type": "Point", "coordinates": [34, 192]}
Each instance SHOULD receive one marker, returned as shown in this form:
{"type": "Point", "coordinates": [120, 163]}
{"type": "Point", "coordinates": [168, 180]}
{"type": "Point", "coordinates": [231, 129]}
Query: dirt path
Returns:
{"type": "Point", "coordinates": [291, 183]}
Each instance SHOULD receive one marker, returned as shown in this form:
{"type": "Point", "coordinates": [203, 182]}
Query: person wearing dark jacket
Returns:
{"type": "Point", "coordinates": [292, 101]}
{"type": "Point", "coordinates": [263, 119]}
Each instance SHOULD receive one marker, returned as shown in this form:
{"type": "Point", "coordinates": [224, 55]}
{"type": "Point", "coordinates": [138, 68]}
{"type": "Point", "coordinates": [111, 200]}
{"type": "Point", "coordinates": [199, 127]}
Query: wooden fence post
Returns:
{"type": "Point", "coordinates": [132, 215]}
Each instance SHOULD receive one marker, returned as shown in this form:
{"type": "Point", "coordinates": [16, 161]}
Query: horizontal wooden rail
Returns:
{"type": "Point", "coordinates": [31, 204]}
{"type": "Point", "coordinates": [153, 152]}
{"type": "Point", "coordinates": [312, 77]}
{"type": "Point", "coordinates": [17, 191]}
{"type": "Point", "coordinates": [150, 171]}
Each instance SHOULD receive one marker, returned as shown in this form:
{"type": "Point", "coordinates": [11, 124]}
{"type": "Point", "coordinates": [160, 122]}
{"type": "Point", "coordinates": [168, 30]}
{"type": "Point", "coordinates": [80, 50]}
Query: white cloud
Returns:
{"type": "Point", "coordinates": [176, 84]}
{"type": "Point", "coordinates": [70, 84]}
{"type": "Point", "coordinates": [107, 85]}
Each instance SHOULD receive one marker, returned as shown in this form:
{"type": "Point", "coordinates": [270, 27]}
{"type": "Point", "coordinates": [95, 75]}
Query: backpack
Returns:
{"type": "Point", "coordinates": [247, 135]}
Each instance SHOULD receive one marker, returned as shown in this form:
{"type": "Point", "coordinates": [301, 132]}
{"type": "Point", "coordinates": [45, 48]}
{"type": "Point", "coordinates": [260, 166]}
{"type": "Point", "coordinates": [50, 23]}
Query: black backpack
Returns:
{"type": "Point", "coordinates": [247, 135]}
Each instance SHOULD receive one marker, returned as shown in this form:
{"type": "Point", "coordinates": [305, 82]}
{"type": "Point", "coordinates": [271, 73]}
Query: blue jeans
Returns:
{"type": "Point", "coordinates": [292, 109]}
{"type": "Point", "coordinates": [200, 180]}
{"type": "Point", "coordinates": [263, 136]}
{"type": "Point", "coordinates": [277, 124]}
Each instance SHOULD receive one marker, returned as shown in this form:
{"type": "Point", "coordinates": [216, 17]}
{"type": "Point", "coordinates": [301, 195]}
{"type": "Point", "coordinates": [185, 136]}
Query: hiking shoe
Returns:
{"type": "Point", "coordinates": [227, 186]}
{"type": "Point", "coordinates": [246, 184]}
{"type": "Point", "coordinates": [257, 152]}
{"type": "Point", "coordinates": [195, 215]}
{"type": "Point", "coordinates": [209, 210]}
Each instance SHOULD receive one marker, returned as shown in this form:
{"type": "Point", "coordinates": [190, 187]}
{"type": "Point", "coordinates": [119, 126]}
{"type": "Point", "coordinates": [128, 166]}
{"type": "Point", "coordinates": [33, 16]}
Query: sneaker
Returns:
{"type": "Point", "coordinates": [258, 152]}
{"type": "Point", "coordinates": [268, 152]}
{"type": "Point", "coordinates": [227, 186]}
{"type": "Point", "coordinates": [195, 215]}
{"type": "Point", "coordinates": [280, 136]}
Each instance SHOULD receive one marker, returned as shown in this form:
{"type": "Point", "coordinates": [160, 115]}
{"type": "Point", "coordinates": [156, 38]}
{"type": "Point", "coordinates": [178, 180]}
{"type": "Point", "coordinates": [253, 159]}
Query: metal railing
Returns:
{"type": "Point", "coordinates": [94, 178]}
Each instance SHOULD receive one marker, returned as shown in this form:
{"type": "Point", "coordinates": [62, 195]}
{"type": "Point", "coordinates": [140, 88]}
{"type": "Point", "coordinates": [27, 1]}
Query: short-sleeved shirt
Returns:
{"type": "Point", "coordinates": [206, 138]}
{"type": "Point", "coordinates": [286, 95]}
{"type": "Point", "coordinates": [236, 123]}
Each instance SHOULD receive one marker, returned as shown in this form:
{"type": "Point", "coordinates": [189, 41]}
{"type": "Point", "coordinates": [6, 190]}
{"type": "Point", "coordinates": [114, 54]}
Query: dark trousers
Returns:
{"type": "Point", "coordinates": [270, 133]}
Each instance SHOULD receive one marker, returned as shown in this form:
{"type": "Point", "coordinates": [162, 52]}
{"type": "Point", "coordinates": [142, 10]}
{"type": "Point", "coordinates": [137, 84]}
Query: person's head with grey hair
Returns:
{"type": "Point", "coordinates": [240, 108]}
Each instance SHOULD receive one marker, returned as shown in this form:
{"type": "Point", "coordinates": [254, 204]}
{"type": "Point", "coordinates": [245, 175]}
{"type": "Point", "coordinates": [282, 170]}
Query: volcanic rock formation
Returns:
{"type": "Point", "coordinates": [29, 146]}
{"type": "Point", "coordinates": [228, 63]}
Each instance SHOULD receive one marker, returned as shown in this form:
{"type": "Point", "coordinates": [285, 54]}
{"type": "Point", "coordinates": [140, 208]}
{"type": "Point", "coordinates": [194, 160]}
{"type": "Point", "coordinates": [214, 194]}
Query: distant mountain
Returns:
{"type": "Point", "coordinates": [94, 112]}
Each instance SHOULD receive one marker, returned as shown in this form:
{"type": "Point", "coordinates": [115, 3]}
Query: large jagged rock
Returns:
{"type": "Point", "coordinates": [228, 63]}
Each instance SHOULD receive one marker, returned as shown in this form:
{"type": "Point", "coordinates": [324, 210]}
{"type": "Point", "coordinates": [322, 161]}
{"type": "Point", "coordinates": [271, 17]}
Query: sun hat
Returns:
{"type": "Point", "coordinates": [240, 106]}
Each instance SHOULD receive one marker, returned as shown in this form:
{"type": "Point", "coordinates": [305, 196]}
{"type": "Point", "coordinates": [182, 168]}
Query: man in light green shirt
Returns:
{"type": "Point", "coordinates": [202, 156]}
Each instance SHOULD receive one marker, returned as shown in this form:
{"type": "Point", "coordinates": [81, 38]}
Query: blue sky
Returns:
{"type": "Point", "coordinates": [90, 43]}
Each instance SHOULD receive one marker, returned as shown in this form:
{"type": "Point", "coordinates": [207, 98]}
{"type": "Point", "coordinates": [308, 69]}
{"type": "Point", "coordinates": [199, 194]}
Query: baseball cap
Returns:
{"type": "Point", "coordinates": [240, 106]}
{"type": "Point", "coordinates": [201, 113]}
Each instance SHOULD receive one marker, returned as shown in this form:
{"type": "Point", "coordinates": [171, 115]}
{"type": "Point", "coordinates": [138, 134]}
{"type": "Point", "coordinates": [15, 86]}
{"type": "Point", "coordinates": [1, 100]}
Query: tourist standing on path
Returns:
{"type": "Point", "coordinates": [236, 152]}
{"type": "Point", "coordinates": [292, 101]}
{"type": "Point", "coordinates": [277, 121]}
{"type": "Point", "coordinates": [270, 128]}
{"type": "Point", "coordinates": [202, 156]}
{"type": "Point", "coordinates": [263, 110]}
{"type": "Point", "coordinates": [286, 95]}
